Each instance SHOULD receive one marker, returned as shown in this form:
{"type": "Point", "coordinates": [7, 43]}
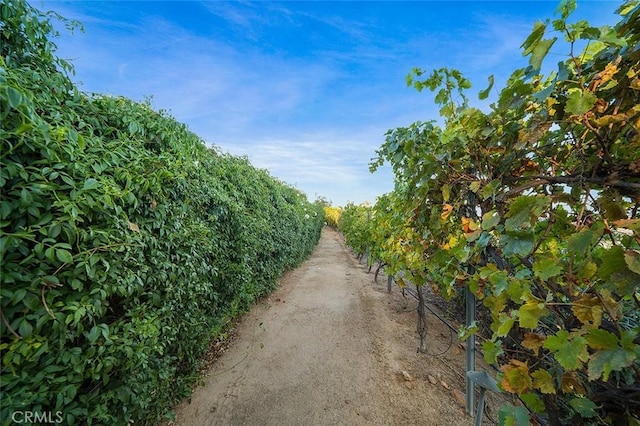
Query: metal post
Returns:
{"type": "Point", "coordinates": [484, 381]}
{"type": "Point", "coordinates": [480, 409]}
{"type": "Point", "coordinates": [389, 282]}
{"type": "Point", "coordinates": [470, 302]}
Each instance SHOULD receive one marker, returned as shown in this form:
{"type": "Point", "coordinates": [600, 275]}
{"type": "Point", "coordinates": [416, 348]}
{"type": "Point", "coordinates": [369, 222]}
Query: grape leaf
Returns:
{"type": "Point", "coordinates": [524, 210]}
{"type": "Point", "coordinates": [610, 304]}
{"type": "Point", "coordinates": [570, 353]}
{"type": "Point", "coordinates": [566, 7]}
{"type": "Point", "coordinates": [516, 378]}
{"type": "Point", "coordinates": [543, 381]}
{"type": "Point", "coordinates": [588, 309]}
{"type": "Point", "coordinates": [579, 243]}
{"type": "Point", "coordinates": [505, 325]}
{"type": "Point", "coordinates": [518, 289]}
{"type": "Point", "coordinates": [496, 304]}
{"type": "Point", "coordinates": [587, 270]}
{"type": "Point", "coordinates": [490, 189]}
{"type": "Point", "coordinates": [612, 261]}
{"type": "Point", "coordinates": [533, 402]}
{"type": "Point", "coordinates": [540, 50]}
{"type": "Point", "coordinates": [579, 101]}
{"type": "Point", "coordinates": [530, 313]}
{"type": "Point", "coordinates": [632, 258]}
{"type": "Point", "coordinates": [520, 243]}
{"type": "Point", "coordinates": [485, 93]}
{"type": "Point", "coordinates": [602, 363]}
{"type": "Point", "coordinates": [511, 415]}
{"type": "Point", "coordinates": [490, 220]}
{"type": "Point", "coordinates": [533, 341]}
{"type": "Point", "coordinates": [547, 267]}
{"type": "Point", "coordinates": [601, 339]}
{"type": "Point", "coordinates": [492, 350]}
{"type": "Point", "coordinates": [571, 383]}
{"type": "Point", "coordinates": [533, 38]}
{"type": "Point", "coordinates": [627, 338]}
{"type": "Point", "coordinates": [518, 214]}
{"type": "Point", "coordinates": [585, 407]}
{"type": "Point", "coordinates": [499, 282]}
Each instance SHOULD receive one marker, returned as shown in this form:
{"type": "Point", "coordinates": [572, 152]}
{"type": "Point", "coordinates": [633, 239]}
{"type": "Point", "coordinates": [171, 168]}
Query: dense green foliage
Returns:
{"type": "Point", "coordinates": [354, 223]}
{"type": "Point", "coordinates": [126, 244]}
{"type": "Point", "coordinates": [534, 206]}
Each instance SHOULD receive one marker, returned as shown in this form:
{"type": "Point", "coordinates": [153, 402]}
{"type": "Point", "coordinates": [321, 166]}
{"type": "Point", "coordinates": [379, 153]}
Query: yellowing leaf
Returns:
{"type": "Point", "coordinates": [516, 378]}
{"type": "Point", "coordinates": [551, 103]}
{"type": "Point", "coordinates": [611, 305]}
{"type": "Point", "coordinates": [543, 381]}
{"type": "Point", "coordinates": [571, 383]}
{"type": "Point", "coordinates": [606, 74]}
{"type": "Point", "coordinates": [446, 211]}
{"type": "Point", "coordinates": [533, 341]}
{"type": "Point", "coordinates": [446, 192]}
{"type": "Point", "coordinates": [530, 313]}
{"type": "Point", "coordinates": [588, 309]}
{"type": "Point", "coordinates": [632, 258]}
{"type": "Point", "coordinates": [401, 282]}
{"type": "Point", "coordinates": [606, 120]}
{"type": "Point", "coordinates": [453, 241]}
{"type": "Point", "coordinates": [468, 225]}
{"type": "Point", "coordinates": [633, 224]}
{"type": "Point", "coordinates": [133, 226]}
{"type": "Point", "coordinates": [531, 135]}
{"type": "Point", "coordinates": [587, 270]}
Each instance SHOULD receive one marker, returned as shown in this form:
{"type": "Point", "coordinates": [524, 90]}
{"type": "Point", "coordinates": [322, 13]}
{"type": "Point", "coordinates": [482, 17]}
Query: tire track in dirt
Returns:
{"type": "Point", "coordinates": [325, 348]}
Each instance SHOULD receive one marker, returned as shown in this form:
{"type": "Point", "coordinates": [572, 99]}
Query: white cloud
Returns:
{"type": "Point", "coordinates": [324, 164]}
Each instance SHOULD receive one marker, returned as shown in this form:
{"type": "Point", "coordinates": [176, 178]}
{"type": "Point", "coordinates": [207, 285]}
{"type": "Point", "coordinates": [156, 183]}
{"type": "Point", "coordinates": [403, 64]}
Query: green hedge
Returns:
{"type": "Point", "coordinates": [126, 244]}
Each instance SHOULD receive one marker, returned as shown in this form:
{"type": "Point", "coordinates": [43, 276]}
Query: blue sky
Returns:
{"type": "Point", "coordinates": [306, 90]}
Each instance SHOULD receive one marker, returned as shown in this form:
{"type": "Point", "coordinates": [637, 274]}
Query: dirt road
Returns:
{"type": "Point", "coordinates": [330, 347]}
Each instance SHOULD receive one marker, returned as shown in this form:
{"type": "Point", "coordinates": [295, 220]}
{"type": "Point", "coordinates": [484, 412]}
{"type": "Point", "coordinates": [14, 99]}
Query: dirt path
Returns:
{"type": "Point", "coordinates": [330, 347]}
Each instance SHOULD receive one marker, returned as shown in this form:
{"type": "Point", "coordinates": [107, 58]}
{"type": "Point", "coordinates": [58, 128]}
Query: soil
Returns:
{"type": "Point", "coordinates": [332, 347]}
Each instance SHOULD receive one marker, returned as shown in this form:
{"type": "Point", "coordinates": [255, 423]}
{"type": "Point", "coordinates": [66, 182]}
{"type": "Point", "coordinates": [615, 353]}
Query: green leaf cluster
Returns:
{"type": "Point", "coordinates": [126, 243]}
